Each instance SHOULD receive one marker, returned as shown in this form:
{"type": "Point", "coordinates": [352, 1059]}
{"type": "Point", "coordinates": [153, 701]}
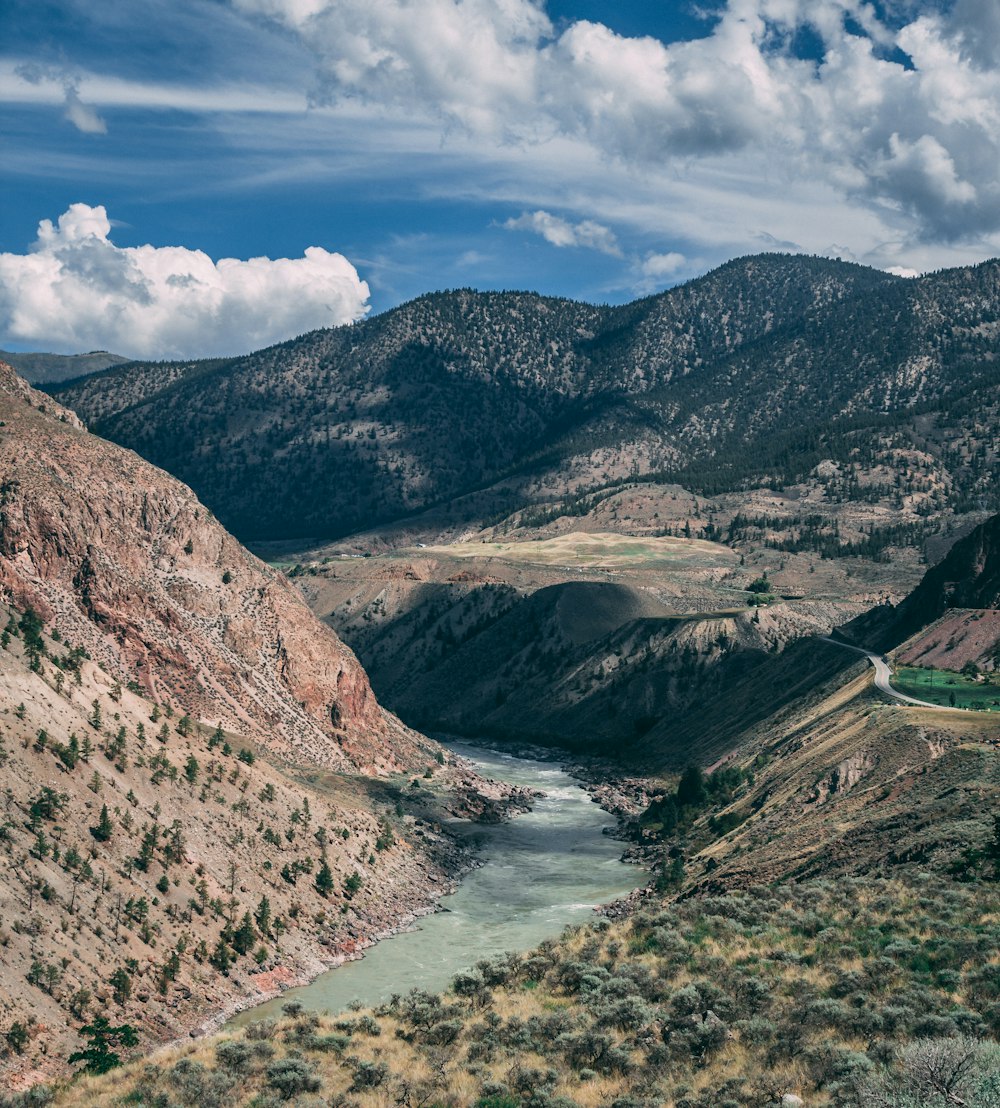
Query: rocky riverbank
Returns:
{"type": "Point", "coordinates": [439, 862]}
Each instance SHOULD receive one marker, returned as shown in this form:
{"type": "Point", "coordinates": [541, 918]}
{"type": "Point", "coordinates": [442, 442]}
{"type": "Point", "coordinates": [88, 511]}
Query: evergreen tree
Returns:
{"type": "Point", "coordinates": [31, 628]}
{"type": "Point", "coordinates": [121, 982]}
{"type": "Point", "coordinates": [245, 935]}
{"type": "Point", "coordinates": [222, 957]}
{"type": "Point", "coordinates": [104, 829]}
{"type": "Point", "coordinates": [691, 788]}
{"type": "Point", "coordinates": [324, 879]}
{"type": "Point", "coordinates": [99, 1055]}
{"type": "Point", "coordinates": [147, 847]}
{"type": "Point", "coordinates": [263, 915]}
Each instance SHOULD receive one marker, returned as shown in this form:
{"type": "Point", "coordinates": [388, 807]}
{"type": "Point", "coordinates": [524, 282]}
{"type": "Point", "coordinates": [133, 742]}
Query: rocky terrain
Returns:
{"type": "Point", "coordinates": [132, 567]}
{"type": "Point", "coordinates": [586, 642]}
{"type": "Point", "coordinates": [967, 577]}
{"type": "Point", "coordinates": [203, 800]}
{"type": "Point", "coordinates": [136, 842]}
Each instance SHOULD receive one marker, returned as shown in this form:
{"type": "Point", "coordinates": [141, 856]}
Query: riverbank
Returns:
{"type": "Point", "coordinates": [546, 869]}
{"type": "Point", "coordinates": [446, 860]}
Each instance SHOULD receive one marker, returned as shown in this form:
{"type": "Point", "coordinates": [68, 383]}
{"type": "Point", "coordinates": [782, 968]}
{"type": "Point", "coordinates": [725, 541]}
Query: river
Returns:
{"type": "Point", "coordinates": [542, 870]}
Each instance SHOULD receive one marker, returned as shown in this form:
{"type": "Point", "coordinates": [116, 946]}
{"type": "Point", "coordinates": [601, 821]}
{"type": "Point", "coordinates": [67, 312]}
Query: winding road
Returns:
{"type": "Point", "coordinates": [882, 675]}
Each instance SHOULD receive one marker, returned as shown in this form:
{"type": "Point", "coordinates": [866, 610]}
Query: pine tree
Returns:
{"type": "Point", "coordinates": [121, 982]}
{"type": "Point", "coordinates": [245, 935]}
{"type": "Point", "coordinates": [222, 957]}
{"type": "Point", "coordinates": [98, 1055]}
{"type": "Point", "coordinates": [104, 829]}
{"type": "Point", "coordinates": [324, 879]}
{"type": "Point", "coordinates": [147, 847]}
{"type": "Point", "coordinates": [263, 915]}
{"type": "Point", "coordinates": [691, 788]}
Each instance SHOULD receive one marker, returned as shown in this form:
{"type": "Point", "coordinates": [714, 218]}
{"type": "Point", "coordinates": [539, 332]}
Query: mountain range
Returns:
{"type": "Point", "coordinates": [629, 531]}
{"type": "Point", "coordinates": [769, 371]}
{"type": "Point", "coordinates": [41, 368]}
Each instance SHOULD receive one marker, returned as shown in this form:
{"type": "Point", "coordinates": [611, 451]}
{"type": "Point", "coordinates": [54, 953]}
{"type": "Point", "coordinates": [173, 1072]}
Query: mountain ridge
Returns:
{"type": "Point", "coordinates": [39, 368]}
{"type": "Point", "coordinates": [525, 383]}
{"type": "Point", "coordinates": [140, 573]}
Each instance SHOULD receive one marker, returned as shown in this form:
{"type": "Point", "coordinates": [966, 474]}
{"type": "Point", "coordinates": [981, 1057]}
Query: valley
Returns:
{"type": "Point", "coordinates": [203, 800]}
{"type": "Point", "coordinates": [500, 554]}
{"type": "Point", "coordinates": [668, 634]}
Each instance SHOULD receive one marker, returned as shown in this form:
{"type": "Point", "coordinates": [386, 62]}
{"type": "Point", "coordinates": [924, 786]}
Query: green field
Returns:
{"type": "Point", "coordinates": [937, 685]}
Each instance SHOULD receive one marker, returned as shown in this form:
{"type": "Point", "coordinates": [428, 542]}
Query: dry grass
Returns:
{"type": "Point", "coordinates": [820, 961]}
{"type": "Point", "coordinates": [597, 550]}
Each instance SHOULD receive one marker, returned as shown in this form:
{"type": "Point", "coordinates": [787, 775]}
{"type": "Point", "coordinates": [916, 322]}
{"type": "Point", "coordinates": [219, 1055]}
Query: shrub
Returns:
{"type": "Point", "coordinates": [261, 1029]}
{"type": "Point", "coordinates": [367, 1075]}
{"type": "Point", "coordinates": [242, 1057]}
{"type": "Point", "coordinates": [291, 1076]}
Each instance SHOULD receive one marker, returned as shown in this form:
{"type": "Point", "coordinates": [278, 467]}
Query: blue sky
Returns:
{"type": "Point", "coordinates": [577, 148]}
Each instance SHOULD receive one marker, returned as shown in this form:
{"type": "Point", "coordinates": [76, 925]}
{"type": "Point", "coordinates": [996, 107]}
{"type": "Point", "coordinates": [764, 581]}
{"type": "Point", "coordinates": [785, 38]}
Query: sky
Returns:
{"type": "Point", "coordinates": [183, 178]}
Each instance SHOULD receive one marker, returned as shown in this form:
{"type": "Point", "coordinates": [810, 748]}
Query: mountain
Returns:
{"type": "Point", "coordinates": [132, 567]}
{"type": "Point", "coordinates": [825, 890]}
{"type": "Point", "coordinates": [771, 370]}
{"type": "Point", "coordinates": [137, 843]}
{"type": "Point", "coordinates": [968, 577]}
{"type": "Point", "coordinates": [203, 800]}
{"type": "Point", "coordinates": [42, 369]}
{"type": "Point", "coordinates": [585, 641]}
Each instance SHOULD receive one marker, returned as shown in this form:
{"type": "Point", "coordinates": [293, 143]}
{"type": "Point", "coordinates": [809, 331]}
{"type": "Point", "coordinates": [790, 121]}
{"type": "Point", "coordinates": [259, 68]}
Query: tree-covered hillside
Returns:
{"type": "Point", "coordinates": [755, 373]}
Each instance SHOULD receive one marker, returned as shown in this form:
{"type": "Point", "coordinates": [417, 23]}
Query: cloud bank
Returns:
{"type": "Point", "coordinates": [75, 290]}
{"type": "Point", "coordinates": [898, 111]}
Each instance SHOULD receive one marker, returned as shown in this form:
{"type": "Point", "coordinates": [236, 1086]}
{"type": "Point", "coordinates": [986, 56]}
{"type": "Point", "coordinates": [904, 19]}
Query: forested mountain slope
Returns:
{"type": "Point", "coordinates": [756, 373]}
{"type": "Point", "coordinates": [40, 368]}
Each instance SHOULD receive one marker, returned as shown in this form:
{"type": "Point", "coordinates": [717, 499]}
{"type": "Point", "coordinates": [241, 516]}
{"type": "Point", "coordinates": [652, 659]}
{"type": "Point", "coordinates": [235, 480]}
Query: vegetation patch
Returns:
{"type": "Point", "coordinates": [968, 689]}
{"type": "Point", "coordinates": [857, 993]}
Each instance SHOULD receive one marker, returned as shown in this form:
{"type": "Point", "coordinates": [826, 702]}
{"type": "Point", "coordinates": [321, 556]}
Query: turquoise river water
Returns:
{"type": "Point", "coordinates": [542, 870]}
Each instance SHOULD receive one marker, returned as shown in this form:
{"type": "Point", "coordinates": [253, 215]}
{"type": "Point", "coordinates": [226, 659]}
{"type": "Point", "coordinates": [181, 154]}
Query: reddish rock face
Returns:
{"type": "Point", "coordinates": [124, 560]}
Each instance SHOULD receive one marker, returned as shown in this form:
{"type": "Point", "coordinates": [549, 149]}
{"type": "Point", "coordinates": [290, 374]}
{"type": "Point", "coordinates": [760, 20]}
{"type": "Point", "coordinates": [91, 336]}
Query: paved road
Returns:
{"type": "Point", "coordinates": [882, 675]}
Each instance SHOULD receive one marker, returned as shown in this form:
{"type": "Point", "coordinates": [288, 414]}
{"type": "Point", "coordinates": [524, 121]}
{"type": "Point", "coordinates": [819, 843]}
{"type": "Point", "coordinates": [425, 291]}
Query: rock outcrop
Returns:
{"type": "Point", "coordinates": [123, 559]}
{"type": "Point", "coordinates": [967, 577]}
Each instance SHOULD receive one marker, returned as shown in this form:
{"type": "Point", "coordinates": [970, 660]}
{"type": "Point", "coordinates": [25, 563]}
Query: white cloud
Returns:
{"type": "Point", "coordinates": [560, 232]}
{"type": "Point", "coordinates": [75, 290]}
{"type": "Point", "coordinates": [662, 265]}
{"type": "Point", "coordinates": [901, 114]}
{"type": "Point", "coordinates": [83, 117]}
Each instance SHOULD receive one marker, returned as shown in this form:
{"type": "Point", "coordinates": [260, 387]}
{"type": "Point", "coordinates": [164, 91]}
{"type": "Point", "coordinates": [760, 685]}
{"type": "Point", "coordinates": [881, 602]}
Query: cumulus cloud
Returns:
{"type": "Point", "coordinates": [662, 265]}
{"type": "Point", "coordinates": [560, 232]}
{"type": "Point", "coordinates": [75, 290]}
{"type": "Point", "coordinates": [900, 111]}
{"type": "Point", "coordinates": [656, 271]}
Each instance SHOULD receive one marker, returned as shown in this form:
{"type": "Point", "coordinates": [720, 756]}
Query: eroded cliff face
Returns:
{"type": "Point", "coordinates": [124, 560]}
